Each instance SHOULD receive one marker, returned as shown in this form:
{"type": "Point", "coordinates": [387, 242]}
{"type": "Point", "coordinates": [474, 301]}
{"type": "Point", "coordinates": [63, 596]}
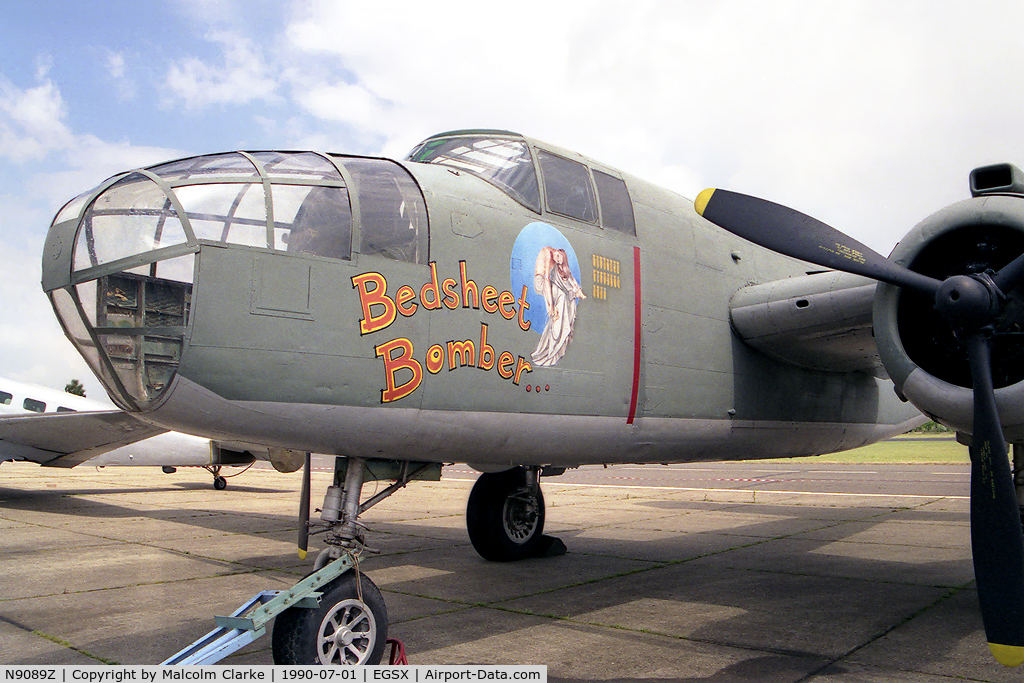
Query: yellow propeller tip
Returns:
{"type": "Point", "coordinates": [302, 554]}
{"type": "Point", "coordinates": [701, 202]}
{"type": "Point", "coordinates": [1007, 655]}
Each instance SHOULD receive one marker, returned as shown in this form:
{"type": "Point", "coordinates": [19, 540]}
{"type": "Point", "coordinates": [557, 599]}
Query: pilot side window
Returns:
{"type": "Point", "coordinates": [5, 398]}
{"type": "Point", "coordinates": [568, 188]}
{"type": "Point", "coordinates": [616, 209]}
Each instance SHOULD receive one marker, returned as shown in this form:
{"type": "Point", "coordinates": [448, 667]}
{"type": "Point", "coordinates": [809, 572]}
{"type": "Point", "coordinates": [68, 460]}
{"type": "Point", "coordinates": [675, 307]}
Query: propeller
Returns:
{"type": "Point", "coordinates": [303, 541]}
{"type": "Point", "coordinates": [971, 304]}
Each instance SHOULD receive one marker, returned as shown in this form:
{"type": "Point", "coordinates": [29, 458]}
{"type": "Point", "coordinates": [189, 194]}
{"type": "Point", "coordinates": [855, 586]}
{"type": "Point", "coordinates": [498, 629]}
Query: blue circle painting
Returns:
{"type": "Point", "coordinates": [531, 240]}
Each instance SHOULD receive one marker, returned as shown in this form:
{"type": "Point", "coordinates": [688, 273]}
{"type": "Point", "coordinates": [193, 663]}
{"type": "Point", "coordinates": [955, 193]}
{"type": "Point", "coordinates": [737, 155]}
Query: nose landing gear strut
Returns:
{"type": "Point", "coordinates": [336, 615]}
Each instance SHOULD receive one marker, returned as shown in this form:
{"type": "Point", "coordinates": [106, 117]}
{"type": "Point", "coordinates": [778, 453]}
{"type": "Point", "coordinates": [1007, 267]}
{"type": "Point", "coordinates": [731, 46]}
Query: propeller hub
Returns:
{"type": "Point", "coordinates": [967, 301]}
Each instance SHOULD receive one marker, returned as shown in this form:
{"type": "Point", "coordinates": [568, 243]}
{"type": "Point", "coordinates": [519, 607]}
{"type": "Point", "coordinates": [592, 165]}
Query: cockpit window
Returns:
{"type": "Point", "coordinates": [503, 162]}
{"type": "Point", "coordinates": [320, 219]}
{"type": "Point", "coordinates": [235, 213]}
{"type": "Point", "coordinates": [568, 188]}
{"type": "Point", "coordinates": [233, 164]}
{"type": "Point", "coordinates": [222, 198]}
{"type": "Point", "coordinates": [616, 209]}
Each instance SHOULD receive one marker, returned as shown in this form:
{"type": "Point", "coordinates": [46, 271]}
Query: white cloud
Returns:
{"type": "Point", "coordinates": [867, 114]}
{"type": "Point", "coordinates": [115, 65]}
{"type": "Point", "coordinates": [343, 102]}
{"type": "Point", "coordinates": [242, 77]}
{"type": "Point", "coordinates": [31, 121]}
{"type": "Point", "coordinates": [87, 163]}
{"type": "Point", "coordinates": [118, 72]}
{"type": "Point", "coordinates": [47, 165]}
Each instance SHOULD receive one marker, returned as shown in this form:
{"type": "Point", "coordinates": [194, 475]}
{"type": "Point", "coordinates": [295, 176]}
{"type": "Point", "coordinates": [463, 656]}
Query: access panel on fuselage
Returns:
{"type": "Point", "coordinates": [269, 326]}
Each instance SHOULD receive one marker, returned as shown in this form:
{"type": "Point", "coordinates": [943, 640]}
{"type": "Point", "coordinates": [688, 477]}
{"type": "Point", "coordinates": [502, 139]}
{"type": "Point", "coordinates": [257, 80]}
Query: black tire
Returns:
{"type": "Point", "coordinates": [220, 483]}
{"type": "Point", "coordinates": [310, 636]}
{"type": "Point", "coordinates": [504, 518]}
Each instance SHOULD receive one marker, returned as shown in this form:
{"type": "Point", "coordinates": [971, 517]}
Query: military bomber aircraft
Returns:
{"type": "Point", "coordinates": [496, 300]}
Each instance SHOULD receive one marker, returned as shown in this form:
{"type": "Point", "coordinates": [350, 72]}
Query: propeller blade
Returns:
{"type": "Point", "coordinates": [997, 541]}
{"type": "Point", "coordinates": [303, 541]}
{"type": "Point", "coordinates": [1011, 275]}
{"type": "Point", "coordinates": [794, 234]}
{"type": "Point", "coordinates": [969, 304]}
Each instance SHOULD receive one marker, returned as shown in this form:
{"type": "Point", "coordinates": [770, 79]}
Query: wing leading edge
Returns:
{"type": "Point", "coordinates": [68, 439]}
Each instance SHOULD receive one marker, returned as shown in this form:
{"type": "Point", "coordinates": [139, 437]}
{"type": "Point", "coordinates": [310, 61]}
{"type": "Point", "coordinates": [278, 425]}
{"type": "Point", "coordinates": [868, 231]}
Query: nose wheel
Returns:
{"type": "Point", "coordinates": [219, 482]}
{"type": "Point", "coordinates": [349, 624]}
{"type": "Point", "coordinates": [349, 627]}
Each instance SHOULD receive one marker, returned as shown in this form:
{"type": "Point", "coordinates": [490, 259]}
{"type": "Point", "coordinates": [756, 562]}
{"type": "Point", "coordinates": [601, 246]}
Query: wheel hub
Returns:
{"type": "Point", "coordinates": [521, 515]}
{"type": "Point", "coordinates": [347, 634]}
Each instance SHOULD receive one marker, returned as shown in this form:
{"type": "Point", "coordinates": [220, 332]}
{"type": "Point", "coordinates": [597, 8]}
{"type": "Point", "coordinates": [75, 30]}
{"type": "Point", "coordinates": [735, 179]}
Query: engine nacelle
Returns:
{"type": "Point", "coordinates": [918, 347]}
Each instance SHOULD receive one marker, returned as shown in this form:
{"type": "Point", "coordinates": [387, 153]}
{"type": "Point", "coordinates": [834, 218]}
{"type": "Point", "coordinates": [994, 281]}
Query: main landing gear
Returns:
{"type": "Point", "coordinates": [505, 516]}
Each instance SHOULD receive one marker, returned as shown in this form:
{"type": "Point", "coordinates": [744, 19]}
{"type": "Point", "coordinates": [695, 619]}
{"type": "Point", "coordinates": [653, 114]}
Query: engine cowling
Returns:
{"type": "Point", "coordinates": [918, 348]}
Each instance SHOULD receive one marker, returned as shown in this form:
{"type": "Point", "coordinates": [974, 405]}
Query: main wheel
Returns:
{"type": "Point", "coordinates": [342, 630]}
{"type": "Point", "coordinates": [504, 517]}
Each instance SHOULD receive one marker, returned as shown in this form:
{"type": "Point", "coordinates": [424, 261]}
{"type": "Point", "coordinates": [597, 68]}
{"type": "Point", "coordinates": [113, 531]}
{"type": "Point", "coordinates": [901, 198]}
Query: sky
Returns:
{"type": "Point", "coordinates": [867, 114]}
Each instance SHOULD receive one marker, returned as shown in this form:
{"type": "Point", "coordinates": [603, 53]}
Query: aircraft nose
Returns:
{"type": "Point", "coordinates": [120, 261]}
{"type": "Point", "coordinates": [119, 269]}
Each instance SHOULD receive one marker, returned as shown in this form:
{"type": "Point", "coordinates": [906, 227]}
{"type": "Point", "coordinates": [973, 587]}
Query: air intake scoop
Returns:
{"type": "Point", "coordinates": [997, 179]}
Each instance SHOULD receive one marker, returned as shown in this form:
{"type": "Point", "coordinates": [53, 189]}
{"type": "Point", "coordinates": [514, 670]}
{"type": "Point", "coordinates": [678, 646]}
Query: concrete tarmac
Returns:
{"type": "Point", "coordinates": [851, 577]}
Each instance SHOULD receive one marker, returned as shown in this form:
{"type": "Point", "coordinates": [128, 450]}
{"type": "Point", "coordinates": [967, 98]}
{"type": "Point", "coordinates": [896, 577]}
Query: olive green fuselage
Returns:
{"type": "Point", "coordinates": [483, 350]}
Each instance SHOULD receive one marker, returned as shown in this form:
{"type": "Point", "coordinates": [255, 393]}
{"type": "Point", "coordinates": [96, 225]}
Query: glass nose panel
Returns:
{"type": "Point", "coordinates": [131, 217]}
{"type": "Point", "coordinates": [135, 255]}
{"type": "Point", "coordinates": [134, 269]}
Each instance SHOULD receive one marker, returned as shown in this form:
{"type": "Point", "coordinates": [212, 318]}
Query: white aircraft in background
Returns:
{"type": "Point", "coordinates": [103, 435]}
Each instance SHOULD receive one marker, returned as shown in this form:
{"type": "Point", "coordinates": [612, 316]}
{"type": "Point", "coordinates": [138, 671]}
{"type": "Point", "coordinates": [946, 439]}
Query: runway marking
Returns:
{"type": "Point", "coordinates": [706, 490]}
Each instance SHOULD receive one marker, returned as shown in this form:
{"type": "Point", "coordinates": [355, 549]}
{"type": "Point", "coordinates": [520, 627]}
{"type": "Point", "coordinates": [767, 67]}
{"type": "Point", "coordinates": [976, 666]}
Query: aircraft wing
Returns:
{"type": "Point", "coordinates": [68, 439]}
{"type": "Point", "coordinates": [820, 321]}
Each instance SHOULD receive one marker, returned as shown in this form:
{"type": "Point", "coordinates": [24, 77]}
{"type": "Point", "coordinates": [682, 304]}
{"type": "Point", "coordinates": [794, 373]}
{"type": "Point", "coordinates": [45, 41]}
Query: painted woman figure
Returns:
{"type": "Point", "coordinates": [553, 280]}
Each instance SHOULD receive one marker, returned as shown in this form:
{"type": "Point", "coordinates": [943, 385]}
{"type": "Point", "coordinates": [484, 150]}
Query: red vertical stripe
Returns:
{"type": "Point", "coordinates": [636, 336]}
